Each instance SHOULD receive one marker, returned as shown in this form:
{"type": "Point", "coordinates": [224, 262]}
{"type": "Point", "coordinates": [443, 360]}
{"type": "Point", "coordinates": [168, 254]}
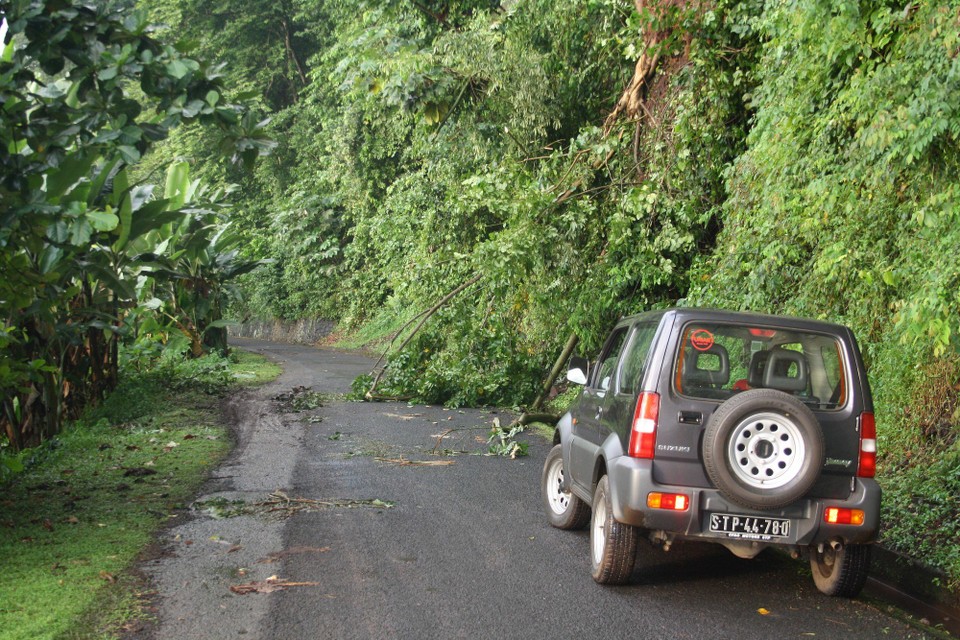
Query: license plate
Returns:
{"type": "Point", "coordinates": [748, 527]}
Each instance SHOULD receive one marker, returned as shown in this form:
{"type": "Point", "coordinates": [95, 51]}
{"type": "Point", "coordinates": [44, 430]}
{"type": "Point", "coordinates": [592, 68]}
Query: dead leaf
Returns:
{"type": "Point", "coordinates": [234, 548]}
{"type": "Point", "coordinates": [109, 577]}
{"type": "Point", "coordinates": [189, 436]}
{"type": "Point", "coordinates": [48, 525]}
{"type": "Point", "coordinates": [763, 611]}
{"type": "Point", "coordinates": [398, 416]}
{"type": "Point", "coordinates": [138, 472]}
{"type": "Point", "coordinates": [271, 584]}
{"type": "Point", "coordinates": [73, 520]}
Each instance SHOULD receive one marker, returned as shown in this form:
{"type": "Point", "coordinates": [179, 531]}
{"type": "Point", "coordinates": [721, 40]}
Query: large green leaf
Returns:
{"type": "Point", "coordinates": [152, 216]}
{"type": "Point", "coordinates": [103, 220]}
{"type": "Point", "coordinates": [177, 184]}
{"type": "Point", "coordinates": [66, 176]}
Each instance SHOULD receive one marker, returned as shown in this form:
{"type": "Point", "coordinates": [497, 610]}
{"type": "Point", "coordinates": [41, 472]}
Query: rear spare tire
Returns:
{"type": "Point", "coordinates": [763, 449]}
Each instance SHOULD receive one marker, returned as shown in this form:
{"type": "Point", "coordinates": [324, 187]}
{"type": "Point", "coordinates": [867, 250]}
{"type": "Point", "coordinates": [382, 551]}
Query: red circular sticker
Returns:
{"type": "Point", "coordinates": [701, 339]}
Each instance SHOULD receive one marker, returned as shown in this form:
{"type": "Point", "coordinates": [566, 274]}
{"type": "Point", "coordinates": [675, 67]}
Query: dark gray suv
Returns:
{"type": "Point", "coordinates": [741, 429]}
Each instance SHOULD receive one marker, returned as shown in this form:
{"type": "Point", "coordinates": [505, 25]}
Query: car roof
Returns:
{"type": "Point", "coordinates": [693, 314]}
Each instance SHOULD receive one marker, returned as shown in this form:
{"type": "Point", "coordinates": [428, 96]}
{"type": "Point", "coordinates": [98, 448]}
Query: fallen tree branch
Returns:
{"type": "Point", "coordinates": [423, 320]}
{"type": "Point", "coordinates": [403, 462]}
{"type": "Point", "coordinates": [448, 432]}
{"type": "Point", "coordinates": [271, 584]}
{"type": "Point", "coordinates": [555, 372]}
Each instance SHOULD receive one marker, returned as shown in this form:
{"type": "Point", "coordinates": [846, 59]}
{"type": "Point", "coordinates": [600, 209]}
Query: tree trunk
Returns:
{"type": "Point", "coordinates": [555, 372]}
{"type": "Point", "coordinates": [292, 55]}
{"type": "Point", "coordinates": [631, 102]}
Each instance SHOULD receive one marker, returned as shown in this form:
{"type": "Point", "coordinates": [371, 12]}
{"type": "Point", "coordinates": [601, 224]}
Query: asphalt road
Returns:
{"type": "Point", "coordinates": [382, 548]}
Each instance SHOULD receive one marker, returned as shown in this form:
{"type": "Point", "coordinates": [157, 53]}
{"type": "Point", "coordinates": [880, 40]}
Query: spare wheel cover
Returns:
{"type": "Point", "coordinates": [763, 449]}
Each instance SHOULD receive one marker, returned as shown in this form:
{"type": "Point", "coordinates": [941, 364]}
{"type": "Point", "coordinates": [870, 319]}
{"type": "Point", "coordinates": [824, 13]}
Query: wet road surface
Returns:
{"type": "Point", "coordinates": [383, 546]}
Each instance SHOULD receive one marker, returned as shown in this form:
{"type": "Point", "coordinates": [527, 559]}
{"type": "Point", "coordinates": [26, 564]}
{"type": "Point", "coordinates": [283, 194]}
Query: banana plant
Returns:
{"type": "Point", "coordinates": [194, 264]}
{"type": "Point", "coordinates": [72, 225]}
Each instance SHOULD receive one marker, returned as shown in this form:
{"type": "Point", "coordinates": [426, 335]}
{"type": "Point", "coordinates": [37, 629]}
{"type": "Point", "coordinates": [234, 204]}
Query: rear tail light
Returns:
{"type": "Point", "coordinates": [868, 446]}
{"type": "Point", "coordinates": [669, 501]}
{"type": "Point", "coordinates": [837, 515]}
{"type": "Point", "coordinates": [643, 434]}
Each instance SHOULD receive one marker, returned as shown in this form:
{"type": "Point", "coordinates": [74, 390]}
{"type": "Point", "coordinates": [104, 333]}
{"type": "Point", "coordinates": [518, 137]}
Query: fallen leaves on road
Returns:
{"type": "Point", "coordinates": [281, 502]}
{"type": "Point", "coordinates": [403, 462]}
{"type": "Point", "coordinates": [763, 612]}
{"type": "Point", "coordinates": [271, 584]}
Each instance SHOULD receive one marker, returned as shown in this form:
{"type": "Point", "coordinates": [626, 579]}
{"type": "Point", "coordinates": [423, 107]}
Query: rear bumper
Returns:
{"type": "Point", "coordinates": [631, 480]}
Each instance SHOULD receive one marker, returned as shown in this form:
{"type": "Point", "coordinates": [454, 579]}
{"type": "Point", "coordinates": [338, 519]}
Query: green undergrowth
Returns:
{"type": "Point", "coordinates": [377, 333]}
{"type": "Point", "coordinates": [87, 503]}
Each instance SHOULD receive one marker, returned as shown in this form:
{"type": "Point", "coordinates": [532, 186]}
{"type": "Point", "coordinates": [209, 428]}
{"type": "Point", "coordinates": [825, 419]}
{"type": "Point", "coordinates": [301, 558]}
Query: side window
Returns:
{"type": "Point", "coordinates": [833, 372]}
{"type": "Point", "coordinates": [635, 358]}
{"type": "Point", "coordinates": [608, 360]}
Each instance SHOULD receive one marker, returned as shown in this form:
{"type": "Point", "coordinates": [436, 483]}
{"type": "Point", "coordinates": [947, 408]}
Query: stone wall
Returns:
{"type": "Point", "coordinates": [306, 331]}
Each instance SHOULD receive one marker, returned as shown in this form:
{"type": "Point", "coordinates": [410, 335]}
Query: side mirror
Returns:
{"type": "Point", "coordinates": [578, 370]}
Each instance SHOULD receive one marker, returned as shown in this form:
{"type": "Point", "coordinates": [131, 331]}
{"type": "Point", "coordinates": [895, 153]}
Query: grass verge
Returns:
{"type": "Point", "coordinates": [90, 501]}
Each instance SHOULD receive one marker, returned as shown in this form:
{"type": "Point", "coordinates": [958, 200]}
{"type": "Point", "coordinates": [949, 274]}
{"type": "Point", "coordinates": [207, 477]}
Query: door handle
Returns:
{"type": "Point", "coordinates": [690, 417]}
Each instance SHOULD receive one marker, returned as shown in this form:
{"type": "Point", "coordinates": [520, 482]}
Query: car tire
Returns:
{"type": "Point", "coordinates": [840, 572]}
{"type": "Point", "coordinates": [763, 449]}
{"type": "Point", "coordinates": [564, 509]}
{"type": "Point", "coordinates": [613, 545]}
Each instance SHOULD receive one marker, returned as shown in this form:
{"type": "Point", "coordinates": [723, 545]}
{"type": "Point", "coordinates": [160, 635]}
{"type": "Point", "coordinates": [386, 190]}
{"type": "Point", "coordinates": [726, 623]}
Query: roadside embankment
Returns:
{"type": "Point", "coordinates": [306, 331]}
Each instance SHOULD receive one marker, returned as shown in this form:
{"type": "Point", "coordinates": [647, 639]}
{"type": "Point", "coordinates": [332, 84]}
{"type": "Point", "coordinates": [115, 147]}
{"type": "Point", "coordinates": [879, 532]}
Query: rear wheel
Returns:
{"type": "Point", "coordinates": [840, 572]}
{"type": "Point", "coordinates": [613, 545]}
{"type": "Point", "coordinates": [564, 510]}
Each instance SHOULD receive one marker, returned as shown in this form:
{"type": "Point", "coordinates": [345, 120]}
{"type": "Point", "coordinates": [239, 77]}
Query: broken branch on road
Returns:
{"type": "Point", "coordinates": [271, 584]}
{"type": "Point", "coordinates": [403, 462]}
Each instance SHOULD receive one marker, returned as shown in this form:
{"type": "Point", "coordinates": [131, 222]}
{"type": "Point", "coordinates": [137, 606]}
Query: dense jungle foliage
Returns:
{"type": "Point", "coordinates": [575, 161]}
{"type": "Point", "coordinates": [90, 256]}
{"type": "Point", "coordinates": [592, 158]}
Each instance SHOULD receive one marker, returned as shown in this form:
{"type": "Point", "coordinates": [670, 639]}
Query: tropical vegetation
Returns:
{"type": "Point", "coordinates": [554, 164]}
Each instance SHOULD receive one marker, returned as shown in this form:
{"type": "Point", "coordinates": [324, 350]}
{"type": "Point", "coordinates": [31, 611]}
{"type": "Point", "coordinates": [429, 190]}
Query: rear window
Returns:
{"type": "Point", "coordinates": [717, 361]}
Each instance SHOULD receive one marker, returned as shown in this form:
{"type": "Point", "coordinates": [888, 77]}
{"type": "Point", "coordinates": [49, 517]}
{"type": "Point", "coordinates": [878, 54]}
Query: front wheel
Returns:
{"type": "Point", "coordinates": [564, 510]}
{"type": "Point", "coordinates": [842, 571]}
{"type": "Point", "coordinates": [613, 545]}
